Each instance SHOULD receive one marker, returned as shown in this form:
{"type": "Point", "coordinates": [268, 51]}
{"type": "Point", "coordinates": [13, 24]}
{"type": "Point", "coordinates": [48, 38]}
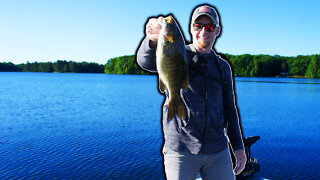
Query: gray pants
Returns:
{"type": "Point", "coordinates": [186, 166]}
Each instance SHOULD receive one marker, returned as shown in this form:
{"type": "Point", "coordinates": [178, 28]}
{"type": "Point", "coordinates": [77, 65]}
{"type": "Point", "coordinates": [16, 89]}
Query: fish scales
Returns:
{"type": "Point", "coordinates": [172, 65]}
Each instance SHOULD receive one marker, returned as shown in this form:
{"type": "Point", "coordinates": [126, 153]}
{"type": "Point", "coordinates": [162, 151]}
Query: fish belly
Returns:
{"type": "Point", "coordinates": [172, 74]}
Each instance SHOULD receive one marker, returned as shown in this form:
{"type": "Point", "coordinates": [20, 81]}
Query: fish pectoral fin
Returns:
{"type": "Point", "coordinates": [181, 111]}
{"type": "Point", "coordinates": [169, 38]}
{"type": "Point", "coordinates": [162, 86]}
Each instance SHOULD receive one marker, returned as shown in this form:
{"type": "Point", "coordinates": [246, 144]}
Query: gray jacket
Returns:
{"type": "Point", "coordinates": [208, 106]}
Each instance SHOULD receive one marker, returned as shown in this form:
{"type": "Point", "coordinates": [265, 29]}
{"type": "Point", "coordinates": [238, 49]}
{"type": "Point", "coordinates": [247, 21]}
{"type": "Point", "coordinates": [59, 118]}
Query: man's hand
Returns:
{"type": "Point", "coordinates": [241, 160]}
{"type": "Point", "coordinates": [153, 30]}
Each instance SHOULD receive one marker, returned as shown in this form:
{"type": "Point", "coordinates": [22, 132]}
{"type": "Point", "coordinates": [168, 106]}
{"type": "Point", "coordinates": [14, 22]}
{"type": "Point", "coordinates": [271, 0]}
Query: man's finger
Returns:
{"type": "Point", "coordinates": [239, 167]}
{"type": "Point", "coordinates": [237, 171]}
{"type": "Point", "coordinates": [152, 20]}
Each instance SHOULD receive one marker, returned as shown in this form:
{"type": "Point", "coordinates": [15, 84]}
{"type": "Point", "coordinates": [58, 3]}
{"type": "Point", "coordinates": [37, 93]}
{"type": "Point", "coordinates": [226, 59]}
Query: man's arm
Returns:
{"type": "Point", "coordinates": [231, 113]}
{"type": "Point", "coordinates": [232, 118]}
{"type": "Point", "coordinates": [146, 55]}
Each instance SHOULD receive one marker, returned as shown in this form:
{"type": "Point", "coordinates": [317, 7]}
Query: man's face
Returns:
{"type": "Point", "coordinates": [202, 38]}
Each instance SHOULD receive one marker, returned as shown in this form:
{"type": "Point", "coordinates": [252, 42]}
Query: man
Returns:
{"type": "Point", "coordinates": [200, 143]}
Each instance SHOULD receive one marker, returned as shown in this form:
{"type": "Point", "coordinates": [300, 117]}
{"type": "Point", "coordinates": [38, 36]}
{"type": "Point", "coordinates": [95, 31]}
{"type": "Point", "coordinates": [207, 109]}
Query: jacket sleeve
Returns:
{"type": "Point", "coordinates": [231, 113]}
{"type": "Point", "coordinates": [146, 56]}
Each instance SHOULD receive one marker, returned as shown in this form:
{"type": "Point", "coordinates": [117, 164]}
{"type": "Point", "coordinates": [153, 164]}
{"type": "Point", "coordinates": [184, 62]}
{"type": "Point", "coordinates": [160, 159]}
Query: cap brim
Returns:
{"type": "Point", "coordinates": [205, 14]}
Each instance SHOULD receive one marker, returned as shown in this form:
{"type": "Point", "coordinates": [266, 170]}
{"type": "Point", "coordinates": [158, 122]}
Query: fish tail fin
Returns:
{"type": "Point", "coordinates": [171, 109]}
{"type": "Point", "coordinates": [181, 111]}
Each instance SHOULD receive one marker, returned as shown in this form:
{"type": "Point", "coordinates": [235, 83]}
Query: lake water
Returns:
{"type": "Point", "coordinates": [99, 126]}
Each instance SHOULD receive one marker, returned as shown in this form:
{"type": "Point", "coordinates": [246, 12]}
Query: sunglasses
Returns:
{"type": "Point", "coordinates": [208, 27]}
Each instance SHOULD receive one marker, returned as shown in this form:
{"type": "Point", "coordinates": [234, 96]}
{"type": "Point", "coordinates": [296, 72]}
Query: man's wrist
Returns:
{"type": "Point", "coordinates": [152, 43]}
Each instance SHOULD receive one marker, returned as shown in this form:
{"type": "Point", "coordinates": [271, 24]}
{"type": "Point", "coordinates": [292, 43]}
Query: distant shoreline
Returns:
{"type": "Point", "coordinates": [154, 74]}
{"type": "Point", "coordinates": [245, 65]}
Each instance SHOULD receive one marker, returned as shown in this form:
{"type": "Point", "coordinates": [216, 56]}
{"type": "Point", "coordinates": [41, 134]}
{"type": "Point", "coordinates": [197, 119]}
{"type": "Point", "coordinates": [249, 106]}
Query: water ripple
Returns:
{"type": "Point", "coordinates": [71, 126]}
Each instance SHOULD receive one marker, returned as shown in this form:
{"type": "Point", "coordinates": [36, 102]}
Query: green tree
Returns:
{"type": "Point", "coordinates": [123, 65]}
{"type": "Point", "coordinates": [298, 65]}
{"type": "Point", "coordinates": [9, 67]}
{"type": "Point", "coordinates": [313, 70]}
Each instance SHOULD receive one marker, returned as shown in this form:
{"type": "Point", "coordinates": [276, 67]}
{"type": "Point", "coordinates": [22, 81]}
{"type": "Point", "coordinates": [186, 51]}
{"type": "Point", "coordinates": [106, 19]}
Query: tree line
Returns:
{"type": "Point", "coordinates": [123, 65]}
{"type": "Point", "coordinates": [61, 66]}
{"type": "Point", "coordinates": [245, 65]}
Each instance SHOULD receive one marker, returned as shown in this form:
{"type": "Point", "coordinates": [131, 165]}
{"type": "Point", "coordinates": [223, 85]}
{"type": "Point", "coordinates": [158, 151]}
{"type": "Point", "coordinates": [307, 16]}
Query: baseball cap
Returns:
{"type": "Point", "coordinates": [208, 11]}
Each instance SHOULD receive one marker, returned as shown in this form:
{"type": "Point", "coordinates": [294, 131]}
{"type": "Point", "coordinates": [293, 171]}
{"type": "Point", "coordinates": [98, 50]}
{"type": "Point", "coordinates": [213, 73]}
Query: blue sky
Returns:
{"type": "Point", "coordinates": [97, 30]}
